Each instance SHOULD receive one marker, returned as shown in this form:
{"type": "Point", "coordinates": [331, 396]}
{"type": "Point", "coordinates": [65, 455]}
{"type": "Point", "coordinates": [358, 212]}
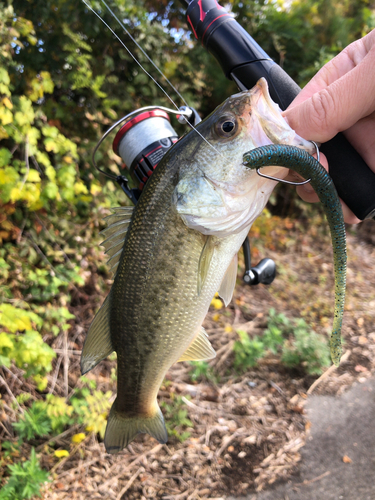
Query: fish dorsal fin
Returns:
{"type": "Point", "coordinates": [98, 344]}
{"type": "Point", "coordinates": [119, 213]}
{"type": "Point", "coordinates": [205, 261]}
{"type": "Point", "coordinates": [118, 224]}
{"type": "Point", "coordinates": [116, 227]}
{"type": "Point", "coordinates": [229, 281]}
{"type": "Point", "coordinates": [199, 349]}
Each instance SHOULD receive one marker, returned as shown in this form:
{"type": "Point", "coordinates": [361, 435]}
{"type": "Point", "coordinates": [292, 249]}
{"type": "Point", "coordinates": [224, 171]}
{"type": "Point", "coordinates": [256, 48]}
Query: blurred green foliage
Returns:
{"type": "Point", "coordinates": [201, 370]}
{"type": "Point", "coordinates": [26, 479]}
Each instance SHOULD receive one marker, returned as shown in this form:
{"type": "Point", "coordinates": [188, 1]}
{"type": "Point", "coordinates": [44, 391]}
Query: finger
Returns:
{"type": "Point", "coordinates": [312, 197]}
{"type": "Point", "coordinates": [331, 109]}
{"type": "Point", "coordinates": [306, 191]}
{"type": "Point", "coordinates": [349, 217]}
{"type": "Point", "coordinates": [344, 62]}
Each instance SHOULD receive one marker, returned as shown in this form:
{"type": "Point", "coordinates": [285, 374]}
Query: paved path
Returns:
{"type": "Point", "coordinates": [343, 426]}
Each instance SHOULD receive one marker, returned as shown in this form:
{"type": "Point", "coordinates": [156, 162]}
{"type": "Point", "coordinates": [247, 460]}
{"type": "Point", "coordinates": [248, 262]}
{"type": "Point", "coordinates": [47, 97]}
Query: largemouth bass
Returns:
{"type": "Point", "coordinates": [175, 250]}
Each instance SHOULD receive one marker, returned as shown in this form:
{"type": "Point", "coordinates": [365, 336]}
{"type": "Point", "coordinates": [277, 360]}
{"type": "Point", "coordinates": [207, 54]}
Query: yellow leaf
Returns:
{"type": "Point", "coordinates": [40, 381]}
{"type": "Point", "coordinates": [216, 317]}
{"type": "Point", "coordinates": [89, 428]}
{"type": "Point", "coordinates": [15, 194]}
{"type": "Point", "coordinates": [228, 328]}
{"type": "Point", "coordinates": [78, 438]}
{"type": "Point", "coordinates": [80, 188]}
{"type": "Point", "coordinates": [68, 159]}
{"type": "Point", "coordinates": [61, 453]}
{"type": "Point", "coordinates": [95, 189]}
{"type": "Point", "coordinates": [33, 176]}
{"type": "Point", "coordinates": [7, 103]}
{"type": "Point", "coordinates": [5, 341]}
{"type": "Point", "coordinates": [6, 116]}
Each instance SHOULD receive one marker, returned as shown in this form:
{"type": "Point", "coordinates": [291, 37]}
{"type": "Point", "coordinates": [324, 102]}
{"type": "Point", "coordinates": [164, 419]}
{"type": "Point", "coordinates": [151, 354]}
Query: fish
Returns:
{"type": "Point", "coordinates": [307, 166]}
{"type": "Point", "coordinates": [175, 249]}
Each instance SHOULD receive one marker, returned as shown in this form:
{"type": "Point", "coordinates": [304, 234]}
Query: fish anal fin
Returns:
{"type": "Point", "coordinates": [229, 281]}
{"type": "Point", "coordinates": [122, 429]}
{"type": "Point", "coordinates": [200, 349]}
{"type": "Point", "coordinates": [98, 343]}
{"type": "Point", "coordinates": [205, 261]}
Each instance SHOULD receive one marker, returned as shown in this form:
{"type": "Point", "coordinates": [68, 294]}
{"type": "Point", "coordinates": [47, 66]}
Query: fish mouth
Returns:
{"type": "Point", "coordinates": [270, 119]}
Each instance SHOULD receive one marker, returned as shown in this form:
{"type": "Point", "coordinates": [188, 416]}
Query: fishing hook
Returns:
{"type": "Point", "coordinates": [290, 182]}
{"type": "Point", "coordinates": [123, 119]}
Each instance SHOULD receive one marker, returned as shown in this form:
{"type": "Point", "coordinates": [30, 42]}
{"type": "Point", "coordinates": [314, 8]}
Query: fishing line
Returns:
{"type": "Point", "coordinates": [129, 52]}
{"type": "Point", "coordinates": [144, 53]}
{"type": "Point", "coordinates": [144, 70]}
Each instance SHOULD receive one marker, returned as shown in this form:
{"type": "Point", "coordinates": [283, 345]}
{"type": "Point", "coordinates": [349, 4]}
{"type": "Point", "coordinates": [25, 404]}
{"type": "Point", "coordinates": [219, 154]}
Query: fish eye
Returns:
{"type": "Point", "coordinates": [226, 126]}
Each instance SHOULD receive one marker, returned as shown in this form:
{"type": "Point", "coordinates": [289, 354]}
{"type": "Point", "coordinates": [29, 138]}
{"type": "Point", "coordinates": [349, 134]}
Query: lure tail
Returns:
{"type": "Point", "coordinates": [122, 429]}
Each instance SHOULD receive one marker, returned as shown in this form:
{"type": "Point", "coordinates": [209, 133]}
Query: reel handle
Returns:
{"type": "Point", "coordinates": [264, 272]}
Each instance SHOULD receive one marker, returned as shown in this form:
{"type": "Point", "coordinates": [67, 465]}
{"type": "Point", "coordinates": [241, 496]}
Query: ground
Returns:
{"type": "Point", "coordinates": [338, 458]}
{"type": "Point", "coordinates": [247, 429]}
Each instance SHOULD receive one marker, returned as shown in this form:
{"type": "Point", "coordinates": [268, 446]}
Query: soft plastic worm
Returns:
{"type": "Point", "coordinates": [307, 166]}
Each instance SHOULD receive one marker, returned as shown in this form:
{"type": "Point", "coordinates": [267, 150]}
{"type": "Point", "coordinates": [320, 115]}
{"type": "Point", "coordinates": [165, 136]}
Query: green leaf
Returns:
{"type": "Point", "coordinates": [5, 156]}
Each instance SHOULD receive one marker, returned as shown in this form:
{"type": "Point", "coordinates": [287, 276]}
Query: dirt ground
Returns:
{"type": "Point", "coordinates": [338, 460]}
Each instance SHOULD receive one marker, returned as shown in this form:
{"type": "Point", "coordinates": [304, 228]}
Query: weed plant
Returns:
{"type": "Point", "coordinates": [25, 481]}
{"type": "Point", "coordinates": [176, 417]}
{"type": "Point", "coordinates": [293, 340]}
{"type": "Point", "coordinates": [202, 371]}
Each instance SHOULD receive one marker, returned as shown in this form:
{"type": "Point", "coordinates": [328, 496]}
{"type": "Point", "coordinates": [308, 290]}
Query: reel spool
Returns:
{"type": "Point", "coordinates": [142, 142]}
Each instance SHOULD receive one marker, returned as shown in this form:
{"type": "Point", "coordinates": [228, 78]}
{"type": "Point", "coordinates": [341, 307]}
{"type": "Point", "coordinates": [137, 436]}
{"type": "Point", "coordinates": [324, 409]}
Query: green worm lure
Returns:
{"type": "Point", "coordinates": [308, 167]}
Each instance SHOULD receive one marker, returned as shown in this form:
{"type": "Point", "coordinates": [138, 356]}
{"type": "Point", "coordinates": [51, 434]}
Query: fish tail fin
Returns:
{"type": "Point", "coordinates": [122, 429]}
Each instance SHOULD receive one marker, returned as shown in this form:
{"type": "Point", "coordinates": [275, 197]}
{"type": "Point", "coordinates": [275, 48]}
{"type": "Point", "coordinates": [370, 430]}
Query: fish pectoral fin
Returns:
{"type": "Point", "coordinates": [98, 344]}
{"type": "Point", "coordinates": [199, 349]}
{"type": "Point", "coordinates": [229, 281]}
{"type": "Point", "coordinates": [122, 429]}
{"type": "Point", "coordinates": [205, 261]}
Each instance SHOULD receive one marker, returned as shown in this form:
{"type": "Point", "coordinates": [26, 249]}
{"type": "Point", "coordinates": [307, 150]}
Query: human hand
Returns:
{"type": "Point", "coordinates": [340, 98]}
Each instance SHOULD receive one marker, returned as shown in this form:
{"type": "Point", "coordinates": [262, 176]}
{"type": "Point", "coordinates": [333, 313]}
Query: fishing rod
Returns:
{"type": "Point", "coordinates": [244, 61]}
